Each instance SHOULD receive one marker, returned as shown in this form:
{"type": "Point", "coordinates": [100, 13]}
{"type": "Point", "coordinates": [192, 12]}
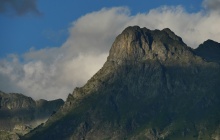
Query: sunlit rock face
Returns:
{"type": "Point", "coordinates": [152, 86]}
{"type": "Point", "coordinates": [139, 44]}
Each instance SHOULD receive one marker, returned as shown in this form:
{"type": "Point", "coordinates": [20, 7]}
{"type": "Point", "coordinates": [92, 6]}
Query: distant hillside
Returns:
{"type": "Point", "coordinates": [19, 114]}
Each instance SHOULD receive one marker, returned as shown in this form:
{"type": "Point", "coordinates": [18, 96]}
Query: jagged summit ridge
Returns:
{"type": "Point", "coordinates": [136, 44]}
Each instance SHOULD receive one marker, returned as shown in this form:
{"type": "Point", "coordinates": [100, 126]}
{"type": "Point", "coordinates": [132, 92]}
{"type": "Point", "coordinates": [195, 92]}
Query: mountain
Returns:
{"type": "Point", "coordinates": [209, 50]}
{"type": "Point", "coordinates": [152, 86]}
{"type": "Point", "coordinates": [19, 114]}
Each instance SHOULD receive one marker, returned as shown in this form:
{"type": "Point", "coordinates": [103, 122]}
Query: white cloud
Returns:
{"type": "Point", "coordinates": [95, 32]}
{"type": "Point", "coordinates": [194, 28]}
{"type": "Point", "coordinates": [54, 72]}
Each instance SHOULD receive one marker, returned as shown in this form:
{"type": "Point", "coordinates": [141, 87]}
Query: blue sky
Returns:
{"type": "Point", "coordinates": [50, 26]}
{"type": "Point", "coordinates": [50, 47]}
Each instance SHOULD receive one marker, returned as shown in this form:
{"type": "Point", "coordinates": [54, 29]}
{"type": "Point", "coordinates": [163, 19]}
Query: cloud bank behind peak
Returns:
{"type": "Point", "coordinates": [54, 72]}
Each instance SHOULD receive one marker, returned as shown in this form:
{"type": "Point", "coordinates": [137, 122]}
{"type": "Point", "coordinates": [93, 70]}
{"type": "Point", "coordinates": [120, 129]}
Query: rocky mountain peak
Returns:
{"type": "Point", "coordinates": [138, 44]}
{"type": "Point", "coordinates": [172, 35]}
{"type": "Point", "coordinates": [145, 90]}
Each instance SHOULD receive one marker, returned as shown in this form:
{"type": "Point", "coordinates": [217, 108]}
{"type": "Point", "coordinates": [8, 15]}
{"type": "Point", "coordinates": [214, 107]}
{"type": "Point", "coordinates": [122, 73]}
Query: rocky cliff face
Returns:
{"type": "Point", "coordinates": [19, 114]}
{"type": "Point", "coordinates": [152, 87]}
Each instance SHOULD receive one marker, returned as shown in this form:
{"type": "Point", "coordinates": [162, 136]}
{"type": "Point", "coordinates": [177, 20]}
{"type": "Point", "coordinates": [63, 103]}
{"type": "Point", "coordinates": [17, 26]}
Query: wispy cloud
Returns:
{"type": "Point", "coordinates": [54, 72]}
{"type": "Point", "coordinates": [19, 7]}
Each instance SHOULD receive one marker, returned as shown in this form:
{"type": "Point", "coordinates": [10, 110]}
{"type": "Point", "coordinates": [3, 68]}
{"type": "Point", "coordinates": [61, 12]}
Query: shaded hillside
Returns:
{"type": "Point", "coordinates": [209, 50]}
{"type": "Point", "coordinates": [152, 87]}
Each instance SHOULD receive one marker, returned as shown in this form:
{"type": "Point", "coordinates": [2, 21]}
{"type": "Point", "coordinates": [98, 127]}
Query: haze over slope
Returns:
{"type": "Point", "coordinates": [19, 114]}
